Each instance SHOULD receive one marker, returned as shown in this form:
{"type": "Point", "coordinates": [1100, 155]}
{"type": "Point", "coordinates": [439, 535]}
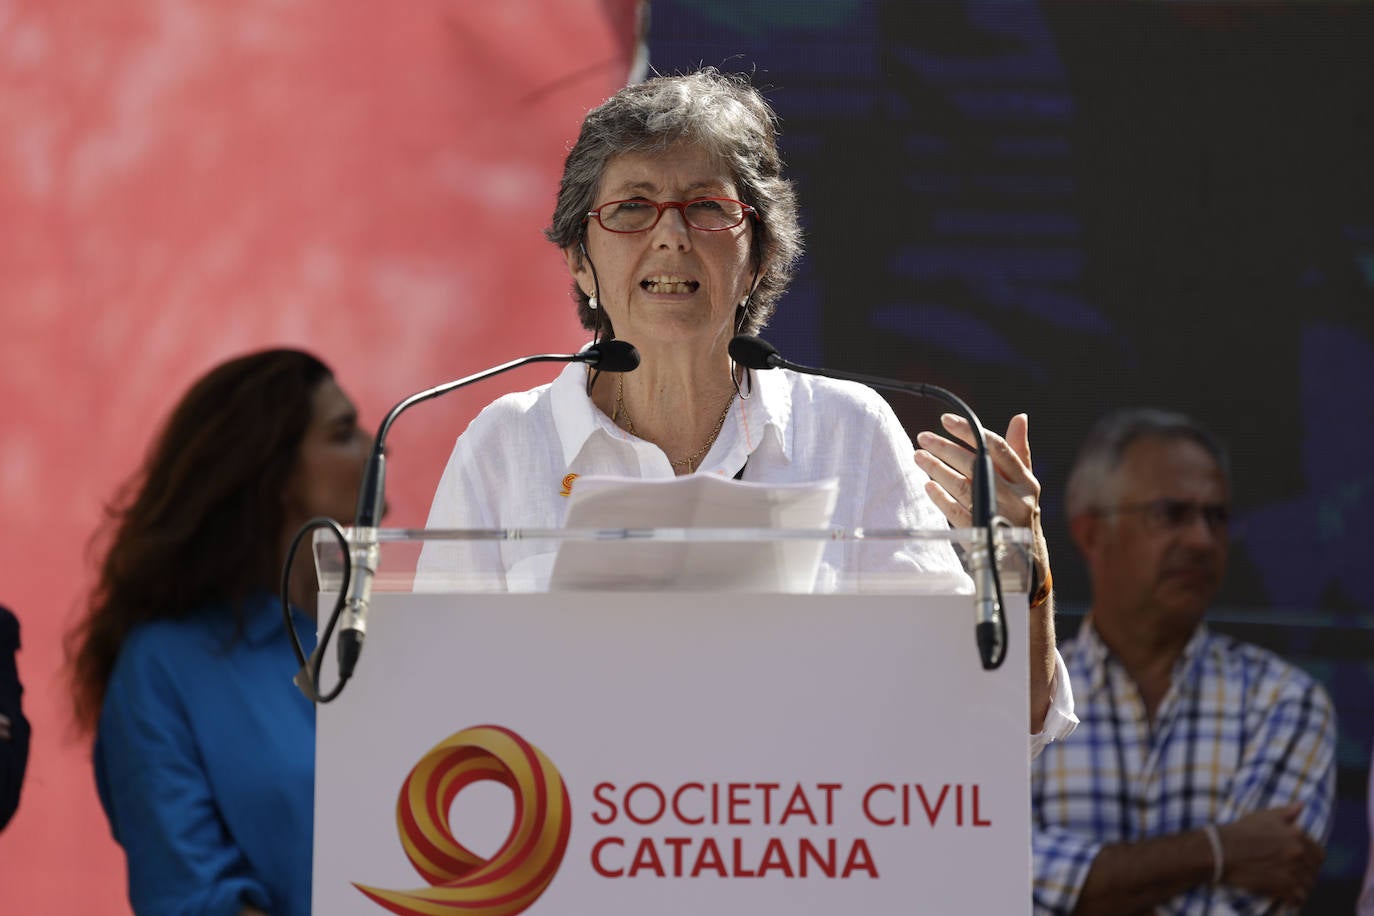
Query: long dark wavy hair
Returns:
{"type": "Point", "coordinates": [202, 521]}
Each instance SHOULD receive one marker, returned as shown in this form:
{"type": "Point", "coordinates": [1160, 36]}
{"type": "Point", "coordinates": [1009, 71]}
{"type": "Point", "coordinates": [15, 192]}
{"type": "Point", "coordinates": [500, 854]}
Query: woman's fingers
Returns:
{"type": "Point", "coordinates": [949, 464]}
{"type": "Point", "coordinates": [1010, 454]}
{"type": "Point", "coordinates": [1018, 437]}
{"type": "Point", "coordinates": [955, 513]}
{"type": "Point", "coordinates": [953, 481]}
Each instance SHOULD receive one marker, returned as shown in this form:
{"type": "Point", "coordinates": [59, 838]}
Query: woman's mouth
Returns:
{"type": "Point", "coordinates": [668, 284]}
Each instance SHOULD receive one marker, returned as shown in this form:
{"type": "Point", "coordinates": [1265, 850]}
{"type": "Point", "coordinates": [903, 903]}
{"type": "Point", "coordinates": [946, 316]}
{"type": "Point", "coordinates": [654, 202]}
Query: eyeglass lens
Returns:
{"type": "Point", "coordinates": [711, 214]}
{"type": "Point", "coordinates": [1180, 513]}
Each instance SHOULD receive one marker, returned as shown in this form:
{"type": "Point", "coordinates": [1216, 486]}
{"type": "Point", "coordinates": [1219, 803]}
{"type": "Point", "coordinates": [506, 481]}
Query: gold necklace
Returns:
{"type": "Point", "coordinates": [621, 414]}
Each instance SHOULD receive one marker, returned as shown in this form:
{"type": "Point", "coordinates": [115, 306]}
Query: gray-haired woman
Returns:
{"type": "Point", "coordinates": [680, 232]}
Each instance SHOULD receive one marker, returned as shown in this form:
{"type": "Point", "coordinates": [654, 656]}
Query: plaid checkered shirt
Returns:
{"type": "Point", "coordinates": [1239, 730]}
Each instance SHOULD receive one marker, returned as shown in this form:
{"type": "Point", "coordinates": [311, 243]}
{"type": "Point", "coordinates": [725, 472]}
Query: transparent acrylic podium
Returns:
{"type": "Point", "coordinates": [521, 559]}
{"type": "Point", "coordinates": [674, 734]}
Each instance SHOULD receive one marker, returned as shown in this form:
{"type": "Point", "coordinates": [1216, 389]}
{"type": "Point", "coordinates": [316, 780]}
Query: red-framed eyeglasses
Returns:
{"type": "Point", "coordinates": [709, 214]}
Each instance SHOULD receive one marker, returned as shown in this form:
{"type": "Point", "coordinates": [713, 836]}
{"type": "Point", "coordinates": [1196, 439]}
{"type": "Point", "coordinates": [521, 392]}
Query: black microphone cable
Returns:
{"type": "Point", "coordinates": [307, 678]}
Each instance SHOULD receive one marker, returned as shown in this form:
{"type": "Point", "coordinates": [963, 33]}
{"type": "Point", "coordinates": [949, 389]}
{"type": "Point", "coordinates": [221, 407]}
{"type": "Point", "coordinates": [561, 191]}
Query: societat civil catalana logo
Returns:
{"type": "Point", "coordinates": [460, 880]}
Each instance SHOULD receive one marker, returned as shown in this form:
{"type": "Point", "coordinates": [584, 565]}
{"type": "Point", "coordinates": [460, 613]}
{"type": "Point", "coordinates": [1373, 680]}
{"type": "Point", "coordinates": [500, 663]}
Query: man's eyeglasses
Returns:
{"type": "Point", "coordinates": [709, 214]}
{"type": "Point", "coordinates": [1171, 514]}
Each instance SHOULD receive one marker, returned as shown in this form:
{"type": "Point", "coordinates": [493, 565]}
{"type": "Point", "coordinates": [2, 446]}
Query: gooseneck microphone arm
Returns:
{"type": "Point", "coordinates": [356, 594]}
{"type": "Point", "coordinates": [991, 628]}
{"type": "Point", "coordinates": [612, 355]}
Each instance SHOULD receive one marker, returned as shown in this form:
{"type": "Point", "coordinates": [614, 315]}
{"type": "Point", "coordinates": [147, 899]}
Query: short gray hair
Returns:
{"type": "Point", "coordinates": [1101, 452]}
{"type": "Point", "coordinates": [728, 118]}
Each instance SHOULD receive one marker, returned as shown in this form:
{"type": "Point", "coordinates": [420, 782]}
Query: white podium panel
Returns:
{"type": "Point", "coordinates": [621, 753]}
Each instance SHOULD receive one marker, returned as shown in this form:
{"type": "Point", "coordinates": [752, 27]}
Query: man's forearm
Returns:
{"type": "Point", "coordinates": [1133, 877]}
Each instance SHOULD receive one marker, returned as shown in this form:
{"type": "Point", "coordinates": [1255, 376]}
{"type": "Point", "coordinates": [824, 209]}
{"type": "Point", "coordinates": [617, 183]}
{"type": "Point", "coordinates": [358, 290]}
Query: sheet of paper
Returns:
{"type": "Point", "coordinates": [694, 501]}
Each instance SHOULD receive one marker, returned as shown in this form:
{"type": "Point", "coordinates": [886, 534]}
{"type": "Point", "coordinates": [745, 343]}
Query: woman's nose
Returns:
{"type": "Point", "coordinates": [672, 230]}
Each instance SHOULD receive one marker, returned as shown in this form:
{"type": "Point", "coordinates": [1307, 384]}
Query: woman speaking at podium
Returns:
{"type": "Point", "coordinates": [680, 232]}
{"type": "Point", "coordinates": [204, 750]}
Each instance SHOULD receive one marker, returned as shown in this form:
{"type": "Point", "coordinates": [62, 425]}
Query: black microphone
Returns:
{"type": "Point", "coordinates": [991, 629]}
{"type": "Point", "coordinates": [608, 356]}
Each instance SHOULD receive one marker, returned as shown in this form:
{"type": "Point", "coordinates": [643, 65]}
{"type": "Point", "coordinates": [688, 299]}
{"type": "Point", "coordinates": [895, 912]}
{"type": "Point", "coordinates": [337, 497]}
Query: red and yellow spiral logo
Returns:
{"type": "Point", "coordinates": [462, 881]}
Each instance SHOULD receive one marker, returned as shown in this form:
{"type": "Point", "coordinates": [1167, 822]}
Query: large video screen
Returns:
{"type": "Point", "coordinates": [1065, 207]}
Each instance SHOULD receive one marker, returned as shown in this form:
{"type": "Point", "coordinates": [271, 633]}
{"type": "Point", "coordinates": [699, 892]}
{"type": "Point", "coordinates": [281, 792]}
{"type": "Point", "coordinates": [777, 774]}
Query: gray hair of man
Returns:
{"type": "Point", "coordinates": [728, 118]}
{"type": "Point", "coordinates": [1093, 474]}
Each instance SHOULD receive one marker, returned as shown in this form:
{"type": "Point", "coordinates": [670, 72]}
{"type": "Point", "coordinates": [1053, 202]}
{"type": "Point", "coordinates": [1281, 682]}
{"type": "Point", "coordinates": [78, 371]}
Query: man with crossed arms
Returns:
{"type": "Point", "coordinates": [1201, 776]}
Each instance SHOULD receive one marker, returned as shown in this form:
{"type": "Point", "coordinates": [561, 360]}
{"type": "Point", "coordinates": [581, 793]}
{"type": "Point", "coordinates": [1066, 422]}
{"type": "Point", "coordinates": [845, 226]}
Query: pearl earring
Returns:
{"type": "Point", "coordinates": [592, 303]}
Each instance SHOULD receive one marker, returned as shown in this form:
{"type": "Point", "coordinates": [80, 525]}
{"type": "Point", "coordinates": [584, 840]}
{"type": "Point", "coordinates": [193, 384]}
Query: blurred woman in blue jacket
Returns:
{"type": "Point", "coordinates": [204, 751]}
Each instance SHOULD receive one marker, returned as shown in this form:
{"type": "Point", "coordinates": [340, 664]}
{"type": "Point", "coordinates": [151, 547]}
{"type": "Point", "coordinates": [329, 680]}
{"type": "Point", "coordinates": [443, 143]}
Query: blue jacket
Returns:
{"type": "Point", "coordinates": [205, 764]}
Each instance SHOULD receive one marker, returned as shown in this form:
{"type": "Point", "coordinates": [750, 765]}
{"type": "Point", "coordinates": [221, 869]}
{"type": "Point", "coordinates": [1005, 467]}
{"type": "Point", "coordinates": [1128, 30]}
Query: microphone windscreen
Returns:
{"type": "Point", "coordinates": [752, 352]}
{"type": "Point", "coordinates": [613, 356]}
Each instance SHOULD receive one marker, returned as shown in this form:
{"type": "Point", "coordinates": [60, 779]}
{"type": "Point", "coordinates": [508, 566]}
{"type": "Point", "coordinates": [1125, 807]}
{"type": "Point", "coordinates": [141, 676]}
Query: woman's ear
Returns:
{"type": "Point", "coordinates": [579, 267]}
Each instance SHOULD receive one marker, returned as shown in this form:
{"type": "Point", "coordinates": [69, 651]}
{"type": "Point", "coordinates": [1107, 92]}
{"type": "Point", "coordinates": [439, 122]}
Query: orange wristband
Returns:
{"type": "Point", "coordinates": [1042, 594]}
